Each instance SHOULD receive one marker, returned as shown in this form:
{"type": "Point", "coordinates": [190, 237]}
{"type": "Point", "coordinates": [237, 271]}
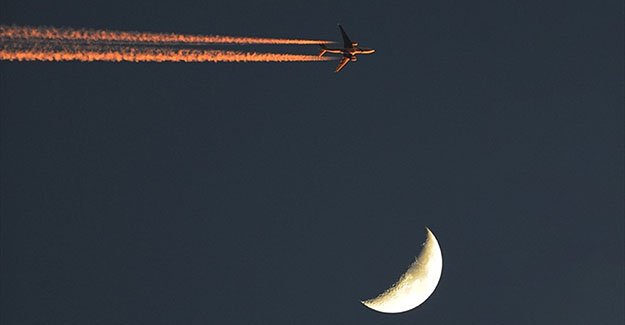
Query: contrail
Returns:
{"type": "Point", "coordinates": [28, 33]}
{"type": "Point", "coordinates": [143, 54]}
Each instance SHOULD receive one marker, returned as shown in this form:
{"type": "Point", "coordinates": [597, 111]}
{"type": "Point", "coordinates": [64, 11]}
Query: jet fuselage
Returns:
{"type": "Point", "coordinates": [350, 52]}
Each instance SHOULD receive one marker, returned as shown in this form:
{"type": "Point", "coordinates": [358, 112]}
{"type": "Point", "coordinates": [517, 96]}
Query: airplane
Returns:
{"type": "Point", "coordinates": [350, 50]}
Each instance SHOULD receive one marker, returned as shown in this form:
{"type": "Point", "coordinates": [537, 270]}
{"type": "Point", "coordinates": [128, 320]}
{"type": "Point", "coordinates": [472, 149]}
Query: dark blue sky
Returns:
{"type": "Point", "coordinates": [282, 193]}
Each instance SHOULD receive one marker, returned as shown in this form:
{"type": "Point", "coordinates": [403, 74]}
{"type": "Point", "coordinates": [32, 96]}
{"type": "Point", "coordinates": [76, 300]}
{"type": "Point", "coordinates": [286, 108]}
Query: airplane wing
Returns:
{"type": "Point", "coordinates": [342, 64]}
{"type": "Point", "coordinates": [347, 43]}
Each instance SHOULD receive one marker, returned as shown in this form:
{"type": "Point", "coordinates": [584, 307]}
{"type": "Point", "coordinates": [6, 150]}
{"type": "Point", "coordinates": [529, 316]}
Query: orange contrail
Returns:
{"type": "Point", "coordinates": [90, 35]}
{"type": "Point", "coordinates": [138, 54]}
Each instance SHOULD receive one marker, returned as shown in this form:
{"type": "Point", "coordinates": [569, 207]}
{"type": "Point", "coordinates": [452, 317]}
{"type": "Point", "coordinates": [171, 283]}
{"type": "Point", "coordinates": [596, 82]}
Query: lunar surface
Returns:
{"type": "Point", "coordinates": [416, 284]}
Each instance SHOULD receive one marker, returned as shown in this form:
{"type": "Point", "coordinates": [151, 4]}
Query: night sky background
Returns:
{"type": "Point", "coordinates": [282, 193]}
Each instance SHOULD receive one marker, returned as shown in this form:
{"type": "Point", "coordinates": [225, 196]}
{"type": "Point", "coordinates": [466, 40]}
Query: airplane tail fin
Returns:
{"type": "Point", "coordinates": [323, 50]}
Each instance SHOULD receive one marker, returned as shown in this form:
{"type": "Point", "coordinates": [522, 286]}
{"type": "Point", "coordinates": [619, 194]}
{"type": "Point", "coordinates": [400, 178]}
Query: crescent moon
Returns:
{"type": "Point", "coordinates": [416, 284]}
